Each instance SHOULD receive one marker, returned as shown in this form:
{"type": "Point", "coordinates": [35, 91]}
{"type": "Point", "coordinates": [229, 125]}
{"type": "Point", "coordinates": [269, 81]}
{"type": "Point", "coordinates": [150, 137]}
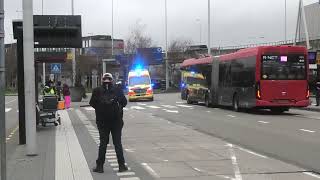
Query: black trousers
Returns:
{"type": "Point", "coordinates": [116, 132]}
{"type": "Point", "coordinates": [318, 98]}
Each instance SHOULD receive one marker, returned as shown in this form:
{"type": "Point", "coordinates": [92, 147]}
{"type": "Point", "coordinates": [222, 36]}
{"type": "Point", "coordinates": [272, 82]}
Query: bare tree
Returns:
{"type": "Point", "coordinates": [179, 45]}
{"type": "Point", "coordinates": [137, 38]}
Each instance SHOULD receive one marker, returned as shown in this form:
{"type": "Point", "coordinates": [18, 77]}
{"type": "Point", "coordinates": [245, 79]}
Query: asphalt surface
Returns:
{"type": "Point", "coordinates": [292, 137]}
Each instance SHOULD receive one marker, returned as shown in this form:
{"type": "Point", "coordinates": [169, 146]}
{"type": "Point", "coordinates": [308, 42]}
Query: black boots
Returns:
{"type": "Point", "coordinates": [99, 168]}
{"type": "Point", "coordinates": [123, 168]}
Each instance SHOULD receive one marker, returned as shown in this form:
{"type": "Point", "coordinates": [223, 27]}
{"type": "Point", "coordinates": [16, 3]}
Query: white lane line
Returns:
{"type": "Point", "coordinates": [11, 101]}
{"type": "Point", "coordinates": [111, 157]}
{"type": "Point", "coordinates": [112, 160]}
{"type": "Point", "coordinates": [236, 168]}
{"type": "Point", "coordinates": [153, 107]}
{"type": "Point", "coordinates": [110, 150]}
{"type": "Point", "coordinates": [111, 153]}
{"type": "Point", "coordinates": [179, 102]}
{"type": "Point", "coordinates": [251, 152]}
{"type": "Point", "coordinates": [170, 111]}
{"type": "Point", "coordinates": [137, 107]}
{"type": "Point", "coordinates": [225, 177]}
{"type": "Point", "coordinates": [169, 106]}
{"type": "Point", "coordinates": [312, 174]}
{"type": "Point", "coordinates": [114, 164]}
{"type": "Point", "coordinates": [185, 106]}
{"type": "Point", "coordinates": [232, 116]}
{"type": "Point", "coordinates": [208, 111]}
{"type": "Point", "coordinates": [150, 170]}
{"type": "Point", "coordinates": [130, 178]}
{"type": "Point", "coordinates": [126, 174]}
{"type": "Point", "coordinates": [197, 169]}
{"type": "Point", "coordinates": [126, 109]}
{"type": "Point", "coordinates": [306, 130]}
{"type": "Point", "coordinates": [89, 108]}
{"type": "Point", "coordinates": [70, 162]}
{"type": "Point", "coordinates": [8, 109]}
{"type": "Point", "coordinates": [264, 122]}
{"type": "Point", "coordinates": [141, 104]}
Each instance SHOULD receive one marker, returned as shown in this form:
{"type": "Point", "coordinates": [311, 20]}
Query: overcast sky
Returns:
{"type": "Point", "coordinates": [234, 22]}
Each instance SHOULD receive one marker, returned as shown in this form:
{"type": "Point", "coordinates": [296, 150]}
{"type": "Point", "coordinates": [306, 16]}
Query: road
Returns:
{"type": "Point", "coordinates": [292, 137]}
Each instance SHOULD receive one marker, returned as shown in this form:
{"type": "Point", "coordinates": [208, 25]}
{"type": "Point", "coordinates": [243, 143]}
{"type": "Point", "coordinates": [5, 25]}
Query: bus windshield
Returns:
{"type": "Point", "coordinates": [141, 80]}
{"type": "Point", "coordinates": [286, 67]}
{"type": "Point", "coordinates": [193, 80]}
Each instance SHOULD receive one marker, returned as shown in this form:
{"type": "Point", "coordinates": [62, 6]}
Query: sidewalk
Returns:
{"type": "Point", "coordinates": [155, 148]}
{"type": "Point", "coordinates": [313, 106]}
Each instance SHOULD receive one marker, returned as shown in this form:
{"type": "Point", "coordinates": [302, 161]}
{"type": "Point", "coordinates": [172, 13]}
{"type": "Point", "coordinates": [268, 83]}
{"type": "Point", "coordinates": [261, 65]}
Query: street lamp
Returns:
{"type": "Point", "coordinates": [200, 30]}
{"type": "Point", "coordinates": [209, 28]}
{"type": "Point", "coordinates": [166, 37]}
{"type": "Point", "coordinates": [285, 21]}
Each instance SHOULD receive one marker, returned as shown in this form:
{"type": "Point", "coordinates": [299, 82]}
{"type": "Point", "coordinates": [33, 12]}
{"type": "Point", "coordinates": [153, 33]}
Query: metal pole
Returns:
{"type": "Point", "coordinates": [209, 28]}
{"type": "Point", "coordinates": [73, 51]}
{"type": "Point", "coordinates": [298, 24]}
{"type": "Point", "coordinates": [43, 64]}
{"type": "Point", "coordinates": [285, 21]}
{"type": "Point", "coordinates": [29, 74]}
{"type": "Point", "coordinates": [112, 29]}
{"type": "Point", "coordinates": [3, 150]}
{"type": "Point", "coordinates": [166, 54]}
{"type": "Point", "coordinates": [305, 25]}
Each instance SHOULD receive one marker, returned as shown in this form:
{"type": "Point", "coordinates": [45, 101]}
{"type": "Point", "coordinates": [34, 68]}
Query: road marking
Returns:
{"type": "Point", "coordinates": [170, 111]}
{"type": "Point", "coordinates": [11, 101]}
{"type": "Point", "coordinates": [89, 108]}
{"type": "Point", "coordinates": [137, 107]}
{"type": "Point", "coordinates": [153, 107]}
{"type": "Point", "coordinates": [8, 109]}
{"type": "Point", "coordinates": [130, 178]}
{"type": "Point", "coordinates": [264, 122]}
{"type": "Point", "coordinates": [208, 111]}
{"type": "Point", "coordinates": [186, 106]}
{"type": "Point", "coordinates": [179, 102]}
{"type": "Point", "coordinates": [251, 152]}
{"type": "Point", "coordinates": [312, 174]}
{"type": "Point", "coordinates": [112, 160]}
{"type": "Point", "coordinates": [114, 164]}
{"type": "Point", "coordinates": [306, 130]}
{"type": "Point", "coordinates": [126, 174]}
{"type": "Point", "coordinates": [111, 153]}
{"type": "Point", "coordinates": [197, 169]}
{"type": "Point", "coordinates": [236, 168]}
{"type": "Point", "coordinates": [232, 116]}
{"type": "Point", "coordinates": [126, 109]}
{"type": "Point", "coordinates": [150, 170]}
{"type": "Point", "coordinates": [223, 176]}
{"type": "Point", "coordinates": [111, 157]}
{"type": "Point", "coordinates": [141, 104]}
{"type": "Point", "coordinates": [129, 150]}
{"type": "Point", "coordinates": [169, 106]}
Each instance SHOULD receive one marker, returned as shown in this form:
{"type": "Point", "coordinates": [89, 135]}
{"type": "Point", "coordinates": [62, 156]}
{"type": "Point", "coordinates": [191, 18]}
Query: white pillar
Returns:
{"type": "Point", "coordinates": [29, 74]}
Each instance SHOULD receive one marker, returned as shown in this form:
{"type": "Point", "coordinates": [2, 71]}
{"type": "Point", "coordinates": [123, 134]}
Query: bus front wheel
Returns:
{"type": "Point", "coordinates": [235, 103]}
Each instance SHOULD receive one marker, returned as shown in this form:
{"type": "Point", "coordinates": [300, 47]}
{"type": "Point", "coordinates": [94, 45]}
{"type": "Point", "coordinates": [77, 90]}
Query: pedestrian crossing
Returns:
{"type": "Point", "coordinates": [111, 154]}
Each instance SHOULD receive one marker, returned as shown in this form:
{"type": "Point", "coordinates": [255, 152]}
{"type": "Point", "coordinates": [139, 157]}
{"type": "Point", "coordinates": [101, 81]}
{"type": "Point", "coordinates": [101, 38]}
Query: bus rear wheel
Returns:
{"type": "Point", "coordinates": [235, 103]}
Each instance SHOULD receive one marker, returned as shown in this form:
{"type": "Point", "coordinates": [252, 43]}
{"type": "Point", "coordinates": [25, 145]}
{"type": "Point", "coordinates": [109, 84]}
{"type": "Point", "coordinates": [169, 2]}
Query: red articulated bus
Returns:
{"type": "Point", "coordinates": [266, 77]}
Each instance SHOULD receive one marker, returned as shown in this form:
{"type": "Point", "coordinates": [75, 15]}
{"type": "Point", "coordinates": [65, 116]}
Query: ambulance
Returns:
{"type": "Point", "coordinates": [139, 85]}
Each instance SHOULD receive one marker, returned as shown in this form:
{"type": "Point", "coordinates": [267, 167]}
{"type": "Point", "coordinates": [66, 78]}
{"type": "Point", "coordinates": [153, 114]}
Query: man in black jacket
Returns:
{"type": "Point", "coordinates": [108, 102]}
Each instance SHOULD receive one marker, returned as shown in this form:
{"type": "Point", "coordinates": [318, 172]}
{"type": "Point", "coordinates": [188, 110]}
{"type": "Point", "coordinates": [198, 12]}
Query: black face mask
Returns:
{"type": "Point", "coordinates": [107, 85]}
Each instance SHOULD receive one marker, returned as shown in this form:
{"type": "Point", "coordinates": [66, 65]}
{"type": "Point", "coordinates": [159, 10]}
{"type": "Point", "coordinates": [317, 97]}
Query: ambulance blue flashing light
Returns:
{"type": "Point", "coordinates": [192, 72]}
